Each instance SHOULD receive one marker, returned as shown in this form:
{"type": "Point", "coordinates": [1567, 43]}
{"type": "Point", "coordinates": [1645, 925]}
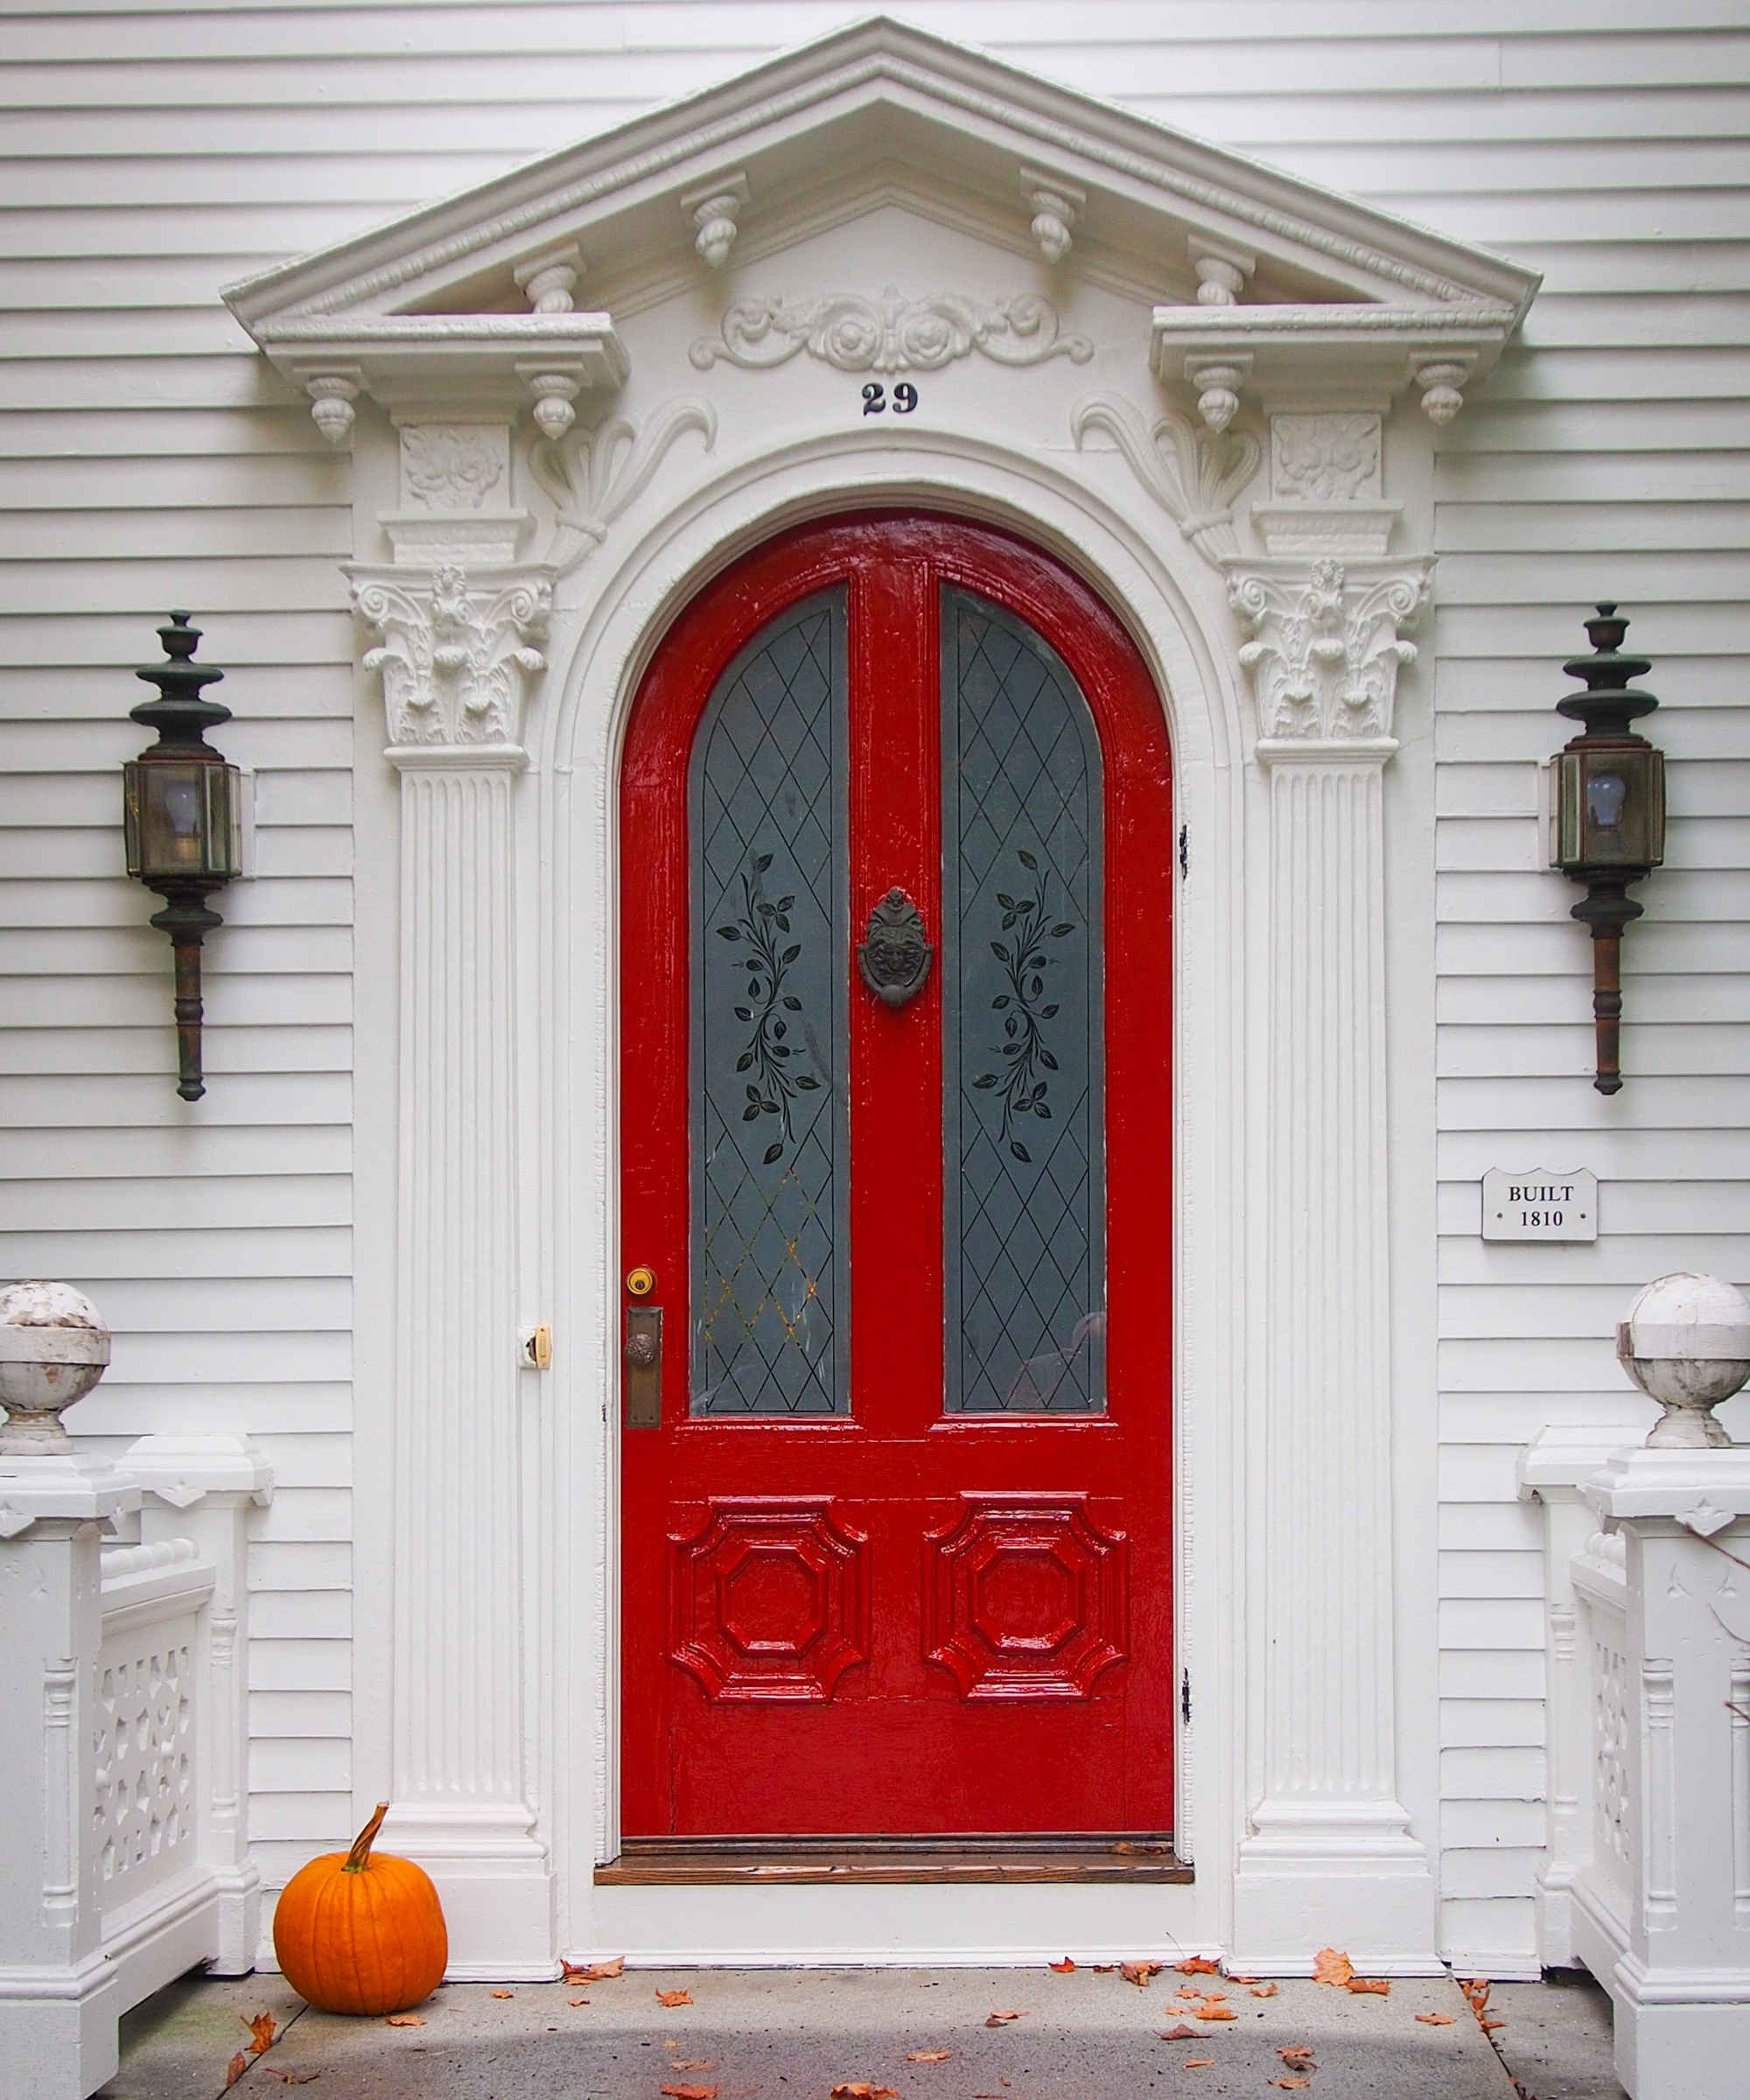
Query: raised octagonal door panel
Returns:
{"type": "Point", "coordinates": [895, 942]}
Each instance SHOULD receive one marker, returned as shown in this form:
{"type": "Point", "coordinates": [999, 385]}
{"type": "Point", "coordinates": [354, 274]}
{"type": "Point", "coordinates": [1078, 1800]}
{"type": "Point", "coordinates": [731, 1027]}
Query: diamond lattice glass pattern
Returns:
{"type": "Point", "coordinates": [1023, 1125]}
{"type": "Point", "coordinates": [768, 1026]}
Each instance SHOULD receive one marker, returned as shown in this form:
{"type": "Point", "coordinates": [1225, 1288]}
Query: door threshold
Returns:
{"type": "Point", "coordinates": [804, 1861]}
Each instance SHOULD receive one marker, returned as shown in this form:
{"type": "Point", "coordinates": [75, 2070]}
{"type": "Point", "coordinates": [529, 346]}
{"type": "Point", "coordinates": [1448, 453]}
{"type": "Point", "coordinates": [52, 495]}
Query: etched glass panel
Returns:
{"type": "Point", "coordinates": [769, 1137]}
{"type": "Point", "coordinates": [1023, 1122]}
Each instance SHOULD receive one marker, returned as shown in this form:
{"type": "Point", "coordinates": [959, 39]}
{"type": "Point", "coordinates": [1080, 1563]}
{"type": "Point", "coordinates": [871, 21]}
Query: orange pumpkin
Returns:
{"type": "Point", "coordinates": [359, 1934]}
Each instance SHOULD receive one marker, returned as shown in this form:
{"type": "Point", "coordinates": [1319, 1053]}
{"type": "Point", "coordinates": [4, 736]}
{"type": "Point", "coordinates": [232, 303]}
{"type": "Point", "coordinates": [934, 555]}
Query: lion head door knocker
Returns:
{"type": "Point", "coordinates": [893, 955]}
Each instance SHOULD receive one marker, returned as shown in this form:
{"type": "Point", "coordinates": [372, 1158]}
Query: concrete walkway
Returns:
{"type": "Point", "coordinates": [796, 2034]}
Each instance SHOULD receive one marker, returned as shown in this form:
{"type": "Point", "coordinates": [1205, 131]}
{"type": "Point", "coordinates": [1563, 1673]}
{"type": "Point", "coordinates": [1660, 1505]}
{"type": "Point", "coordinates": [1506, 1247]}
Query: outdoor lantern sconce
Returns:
{"type": "Point", "coordinates": [182, 813]}
{"type": "Point", "coordinates": [1609, 811]}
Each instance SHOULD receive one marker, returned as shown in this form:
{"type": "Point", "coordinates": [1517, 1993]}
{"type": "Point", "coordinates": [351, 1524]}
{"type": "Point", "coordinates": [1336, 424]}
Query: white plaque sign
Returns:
{"type": "Point", "coordinates": [1539, 1205]}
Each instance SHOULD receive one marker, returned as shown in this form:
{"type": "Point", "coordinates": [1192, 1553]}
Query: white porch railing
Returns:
{"type": "Point", "coordinates": [123, 1856]}
{"type": "Point", "coordinates": [1648, 1879]}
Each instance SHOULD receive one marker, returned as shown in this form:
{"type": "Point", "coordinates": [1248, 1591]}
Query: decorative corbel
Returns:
{"type": "Point", "coordinates": [1441, 380]}
{"type": "Point", "coordinates": [1221, 272]}
{"type": "Point", "coordinates": [1057, 208]}
{"type": "Point", "coordinates": [332, 391]}
{"type": "Point", "coordinates": [714, 213]}
{"type": "Point", "coordinates": [550, 278]}
{"type": "Point", "coordinates": [1218, 380]}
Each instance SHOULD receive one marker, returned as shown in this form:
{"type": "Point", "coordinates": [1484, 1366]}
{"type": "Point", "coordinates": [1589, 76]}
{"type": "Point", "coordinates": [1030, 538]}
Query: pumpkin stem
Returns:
{"type": "Point", "coordinates": [360, 1858]}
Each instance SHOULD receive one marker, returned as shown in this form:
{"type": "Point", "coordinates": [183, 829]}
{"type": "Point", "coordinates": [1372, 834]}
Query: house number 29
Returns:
{"type": "Point", "coordinates": [875, 398]}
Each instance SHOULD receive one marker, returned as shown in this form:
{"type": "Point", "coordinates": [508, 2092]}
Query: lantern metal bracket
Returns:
{"type": "Point", "coordinates": [182, 817]}
{"type": "Point", "coordinates": [1608, 816]}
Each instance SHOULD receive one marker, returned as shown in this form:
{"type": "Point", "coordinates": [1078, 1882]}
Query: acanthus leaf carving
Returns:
{"type": "Point", "coordinates": [1195, 475]}
{"type": "Point", "coordinates": [458, 658]}
{"type": "Point", "coordinates": [852, 334]}
{"type": "Point", "coordinates": [593, 474]}
{"type": "Point", "coordinates": [1325, 644]}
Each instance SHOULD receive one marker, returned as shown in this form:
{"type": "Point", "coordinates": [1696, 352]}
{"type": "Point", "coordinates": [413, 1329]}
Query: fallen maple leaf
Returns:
{"type": "Point", "coordinates": [1490, 2026]}
{"type": "Point", "coordinates": [1002, 2019]}
{"type": "Point", "coordinates": [1435, 2019]}
{"type": "Point", "coordinates": [674, 1997]}
{"type": "Point", "coordinates": [1476, 1992]}
{"type": "Point", "coordinates": [1181, 2033]}
{"type": "Point", "coordinates": [1138, 1972]}
{"type": "Point", "coordinates": [1211, 2011]}
{"type": "Point", "coordinates": [927, 2055]}
{"type": "Point", "coordinates": [404, 2019]}
{"type": "Point", "coordinates": [1286, 2082]}
{"type": "Point", "coordinates": [1298, 2057]}
{"type": "Point", "coordinates": [690, 2092]}
{"type": "Point", "coordinates": [862, 2090]}
{"type": "Point", "coordinates": [1197, 1966]}
{"type": "Point", "coordinates": [1330, 1967]}
{"type": "Point", "coordinates": [234, 2069]}
{"type": "Point", "coordinates": [1368, 1986]}
{"type": "Point", "coordinates": [504, 1994]}
{"type": "Point", "coordinates": [575, 2002]}
{"type": "Point", "coordinates": [262, 2029]}
{"type": "Point", "coordinates": [1232, 1978]}
{"type": "Point", "coordinates": [1066, 1967]}
{"type": "Point", "coordinates": [1264, 1991]}
{"type": "Point", "coordinates": [594, 1972]}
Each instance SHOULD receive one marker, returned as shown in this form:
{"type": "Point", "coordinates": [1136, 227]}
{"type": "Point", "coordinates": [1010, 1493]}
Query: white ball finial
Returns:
{"type": "Point", "coordinates": [1686, 1344]}
{"type": "Point", "coordinates": [53, 1347]}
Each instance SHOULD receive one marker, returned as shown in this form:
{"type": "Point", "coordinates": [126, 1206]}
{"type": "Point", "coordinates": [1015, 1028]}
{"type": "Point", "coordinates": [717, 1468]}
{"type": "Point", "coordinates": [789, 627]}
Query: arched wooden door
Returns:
{"type": "Point", "coordinates": [896, 1449]}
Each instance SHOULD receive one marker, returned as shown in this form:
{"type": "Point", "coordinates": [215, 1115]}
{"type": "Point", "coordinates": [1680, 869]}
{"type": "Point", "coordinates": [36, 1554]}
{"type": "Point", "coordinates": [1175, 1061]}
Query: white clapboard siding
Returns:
{"type": "Point", "coordinates": [155, 153]}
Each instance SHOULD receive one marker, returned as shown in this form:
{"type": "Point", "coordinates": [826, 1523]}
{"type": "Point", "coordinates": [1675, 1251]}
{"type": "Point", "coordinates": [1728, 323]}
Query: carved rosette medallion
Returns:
{"type": "Point", "coordinates": [1325, 643]}
{"type": "Point", "coordinates": [457, 657]}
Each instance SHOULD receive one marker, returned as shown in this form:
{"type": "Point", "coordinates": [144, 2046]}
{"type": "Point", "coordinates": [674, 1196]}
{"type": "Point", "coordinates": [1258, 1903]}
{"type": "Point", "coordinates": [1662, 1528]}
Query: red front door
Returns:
{"type": "Point", "coordinates": [896, 830]}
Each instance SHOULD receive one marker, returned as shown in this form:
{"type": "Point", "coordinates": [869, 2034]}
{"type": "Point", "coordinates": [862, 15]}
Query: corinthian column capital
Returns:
{"type": "Point", "coordinates": [458, 658]}
{"type": "Point", "coordinates": [1325, 641]}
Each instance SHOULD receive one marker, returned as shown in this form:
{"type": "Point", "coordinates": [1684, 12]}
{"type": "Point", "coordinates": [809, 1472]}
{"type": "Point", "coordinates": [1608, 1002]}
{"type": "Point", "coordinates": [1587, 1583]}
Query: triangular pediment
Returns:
{"type": "Point", "coordinates": [1223, 248]}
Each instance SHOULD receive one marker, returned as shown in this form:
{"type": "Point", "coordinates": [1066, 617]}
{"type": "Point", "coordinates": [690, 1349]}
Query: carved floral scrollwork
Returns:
{"type": "Point", "coordinates": [458, 660]}
{"type": "Point", "coordinates": [1193, 474]}
{"type": "Point", "coordinates": [448, 468]}
{"type": "Point", "coordinates": [593, 474]}
{"type": "Point", "coordinates": [1325, 644]}
{"type": "Point", "coordinates": [889, 335]}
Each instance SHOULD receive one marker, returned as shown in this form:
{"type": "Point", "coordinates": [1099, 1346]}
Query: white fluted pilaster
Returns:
{"type": "Point", "coordinates": [458, 1787]}
{"type": "Point", "coordinates": [1328, 1858]}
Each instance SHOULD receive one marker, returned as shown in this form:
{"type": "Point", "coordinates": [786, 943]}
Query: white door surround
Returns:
{"type": "Point", "coordinates": [1056, 398]}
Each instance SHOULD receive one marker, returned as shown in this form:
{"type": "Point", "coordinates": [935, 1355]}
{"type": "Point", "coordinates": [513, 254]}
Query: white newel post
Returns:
{"type": "Point", "coordinates": [1667, 1931]}
{"type": "Point", "coordinates": [1553, 1469]}
{"type": "Point", "coordinates": [60, 1994]}
{"type": "Point", "coordinates": [202, 1488]}
{"type": "Point", "coordinates": [459, 623]}
{"type": "Point", "coordinates": [1660, 1904]}
{"type": "Point", "coordinates": [1329, 1858]}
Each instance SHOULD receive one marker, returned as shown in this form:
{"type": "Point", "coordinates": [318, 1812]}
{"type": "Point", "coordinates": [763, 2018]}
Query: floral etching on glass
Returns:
{"type": "Point", "coordinates": [1017, 1082]}
{"type": "Point", "coordinates": [761, 929]}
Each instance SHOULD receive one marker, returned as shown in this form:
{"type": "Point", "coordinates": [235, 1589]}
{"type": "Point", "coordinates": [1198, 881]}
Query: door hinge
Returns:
{"type": "Point", "coordinates": [1185, 1699]}
{"type": "Point", "coordinates": [1185, 850]}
